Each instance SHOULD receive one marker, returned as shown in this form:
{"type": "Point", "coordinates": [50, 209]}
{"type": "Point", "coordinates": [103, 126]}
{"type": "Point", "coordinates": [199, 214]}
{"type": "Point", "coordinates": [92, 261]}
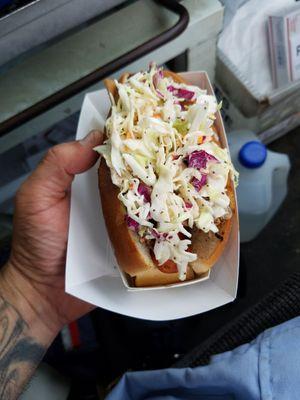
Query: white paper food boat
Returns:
{"type": "Point", "coordinates": [91, 270]}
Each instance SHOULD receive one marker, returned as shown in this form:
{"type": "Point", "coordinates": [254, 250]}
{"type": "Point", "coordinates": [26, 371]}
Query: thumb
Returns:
{"type": "Point", "coordinates": [54, 175]}
{"type": "Point", "coordinates": [71, 158]}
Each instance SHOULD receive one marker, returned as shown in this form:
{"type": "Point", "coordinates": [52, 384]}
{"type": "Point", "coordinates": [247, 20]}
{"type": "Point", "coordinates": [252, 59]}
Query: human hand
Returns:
{"type": "Point", "coordinates": [35, 271]}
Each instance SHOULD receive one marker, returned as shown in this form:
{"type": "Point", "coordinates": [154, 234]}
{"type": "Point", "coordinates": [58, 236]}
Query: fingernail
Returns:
{"type": "Point", "coordinates": [93, 138]}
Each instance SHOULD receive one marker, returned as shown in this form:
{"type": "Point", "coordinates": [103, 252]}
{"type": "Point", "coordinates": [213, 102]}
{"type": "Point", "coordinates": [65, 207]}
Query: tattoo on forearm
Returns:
{"type": "Point", "coordinates": [19, 353]}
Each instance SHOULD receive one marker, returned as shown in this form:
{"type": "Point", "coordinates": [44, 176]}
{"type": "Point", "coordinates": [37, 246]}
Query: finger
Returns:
{"type": "Point", "coordinates": [73, 157]}
{"type": "Point", "coordinates": [56, 172]}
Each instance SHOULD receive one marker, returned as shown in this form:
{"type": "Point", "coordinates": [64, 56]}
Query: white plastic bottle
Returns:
{"type": "Point", "coordinates": [262, 182]}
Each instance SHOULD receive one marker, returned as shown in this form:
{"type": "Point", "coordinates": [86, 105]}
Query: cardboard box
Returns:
{"type": "Point", "coordinates": [91, 271]}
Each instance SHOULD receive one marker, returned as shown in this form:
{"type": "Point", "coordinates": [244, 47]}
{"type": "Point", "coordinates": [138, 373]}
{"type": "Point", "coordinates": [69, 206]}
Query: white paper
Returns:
{"type": "Point", "coordinates": [243, 45]}
{"type": "Point", "coordinates": [91, 269]}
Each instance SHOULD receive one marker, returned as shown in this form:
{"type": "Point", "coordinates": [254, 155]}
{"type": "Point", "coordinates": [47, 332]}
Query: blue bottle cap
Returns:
{"type": "Point", "coordinates": [253, 154]}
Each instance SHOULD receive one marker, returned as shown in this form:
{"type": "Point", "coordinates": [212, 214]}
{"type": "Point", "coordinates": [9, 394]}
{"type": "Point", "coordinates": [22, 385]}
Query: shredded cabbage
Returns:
{"type": "Point", "coordinates": [172, 176]}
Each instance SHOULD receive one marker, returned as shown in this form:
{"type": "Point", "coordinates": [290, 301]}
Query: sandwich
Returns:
{"type": "Point", "coordinates": [166, 183]}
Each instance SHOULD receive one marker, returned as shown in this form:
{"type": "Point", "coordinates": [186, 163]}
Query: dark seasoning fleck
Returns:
{"type": "Point", "coordinates": [218, 236]}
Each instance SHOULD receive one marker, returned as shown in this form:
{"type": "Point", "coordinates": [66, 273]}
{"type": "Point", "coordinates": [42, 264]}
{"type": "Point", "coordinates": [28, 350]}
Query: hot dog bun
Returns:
{"type": "Point", "coordinates": [209, 246]}
{"type": "Point", "coordinates": [133, 256]}
{"type": "Point", "coordinates": [154, 277]}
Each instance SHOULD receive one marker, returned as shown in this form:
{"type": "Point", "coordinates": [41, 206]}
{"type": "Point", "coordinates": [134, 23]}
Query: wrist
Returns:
{"type": "Point", "coordinates": [28, 302]}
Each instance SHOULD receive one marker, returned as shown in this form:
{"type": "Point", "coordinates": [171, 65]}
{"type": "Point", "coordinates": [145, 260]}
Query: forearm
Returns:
{"type": "Point", "coordinates": [23, 339]}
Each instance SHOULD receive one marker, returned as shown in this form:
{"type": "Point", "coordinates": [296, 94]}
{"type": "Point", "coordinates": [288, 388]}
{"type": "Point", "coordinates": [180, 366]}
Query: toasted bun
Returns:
{"type": "Point", "coordinates": [154, 277]}
{"type": "Point", "coordinates": [133, 256]}
{"type": "Point", "coordinates": [210, 246]}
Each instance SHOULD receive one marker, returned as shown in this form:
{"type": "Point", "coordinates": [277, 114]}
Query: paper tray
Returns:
{"type": "Point", "coordinates": [91, 269]}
